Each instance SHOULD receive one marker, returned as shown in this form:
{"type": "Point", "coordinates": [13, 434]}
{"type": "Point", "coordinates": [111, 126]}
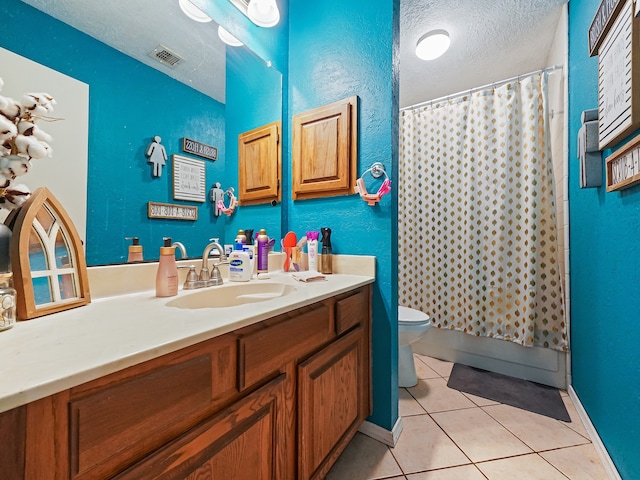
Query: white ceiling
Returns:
{"type": "Point", "coordinates": [136, 27]}
{"type": "Point", "coordinates": [490, 40]}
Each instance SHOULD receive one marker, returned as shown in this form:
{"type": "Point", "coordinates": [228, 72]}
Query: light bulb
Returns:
{"type": "Point", "coordinates": [193, 12]}
{"type": "Point", "coordinates": [433, 44]}
{"type": "Point", "coordinates": [264, 13]}
{"type": "Point", "coordinates": [227, 38]}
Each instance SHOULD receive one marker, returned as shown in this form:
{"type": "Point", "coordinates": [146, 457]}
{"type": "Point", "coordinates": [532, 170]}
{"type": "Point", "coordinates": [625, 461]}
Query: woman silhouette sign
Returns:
{"type": "Point", "coordinates": [157, 156]}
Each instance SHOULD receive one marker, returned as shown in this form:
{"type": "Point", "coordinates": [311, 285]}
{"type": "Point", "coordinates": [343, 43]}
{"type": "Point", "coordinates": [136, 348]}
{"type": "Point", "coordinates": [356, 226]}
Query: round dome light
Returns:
{"type": "Point", "coordinates": [193, 12]}
{"type": "Point", "coordinates": [227, 38]}
{"type": "Point", "coordinates": [264, 13]}
{"type": "Point", "coordinates": [433, 44]}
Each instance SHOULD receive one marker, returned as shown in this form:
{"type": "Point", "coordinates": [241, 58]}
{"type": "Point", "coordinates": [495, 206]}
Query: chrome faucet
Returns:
{"type": "Point", "coordinates": [213, 278]}
{"type": "Point", "coordinates": [180, 247]}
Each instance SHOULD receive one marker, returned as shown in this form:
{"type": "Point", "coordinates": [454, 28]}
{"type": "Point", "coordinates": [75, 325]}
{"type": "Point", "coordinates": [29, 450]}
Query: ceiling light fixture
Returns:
{"type": "Point", "coordinates": [433, 44]}
{"type": "Point", "coordinates": [227, 38]}
{"type": "Point", "coordinates": [263, 13]}
{"type": "Point", "coordinates": [193, 12]}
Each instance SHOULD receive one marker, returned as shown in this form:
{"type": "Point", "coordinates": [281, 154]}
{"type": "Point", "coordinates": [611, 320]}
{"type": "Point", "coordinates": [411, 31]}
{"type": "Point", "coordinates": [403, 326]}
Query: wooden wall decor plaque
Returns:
{"type": "Point", "coordinates": [619, 78]}
{"type": "Point", "coordinates": [623, 166]}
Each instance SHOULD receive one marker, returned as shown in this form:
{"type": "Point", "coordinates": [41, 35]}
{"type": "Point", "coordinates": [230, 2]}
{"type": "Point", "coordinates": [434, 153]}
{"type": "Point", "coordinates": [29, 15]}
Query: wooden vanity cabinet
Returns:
{"type": "Point", "coordinates": [276, 400]}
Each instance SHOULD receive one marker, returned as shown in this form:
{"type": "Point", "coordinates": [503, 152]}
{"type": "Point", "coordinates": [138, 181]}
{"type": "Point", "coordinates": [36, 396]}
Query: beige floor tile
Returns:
{"type": "Point", "coordinates": [434, 395]}
{"type": "Point", "coordinates": [480, 401]}
{"type": "Point", "coordinates": [478, 435]}
{"type": "Point", "coordinates": [423, 446]}
{"type": "Point", "coordinates": [577, 463]}
{"type": "Point", "coordinates": [422, 369]}
{"type": "Point", "coordinates": [407, 405]}
{"type": "Point", "coordinates": [537, 431]}
{"type": "Point", "coordinates": [531, 467]}
{"type": "Point", "coordinates": [364, 459]}
{"type": "Point", "coordinates": [441, 367]}
{"type": "Point", "coordinates": [576, 423]}
{"type": "Point", "coordinates": [466, 472]}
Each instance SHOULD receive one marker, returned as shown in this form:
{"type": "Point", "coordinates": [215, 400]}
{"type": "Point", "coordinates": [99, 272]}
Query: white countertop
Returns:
{"type": "Point", "coordinates": [49, 354]}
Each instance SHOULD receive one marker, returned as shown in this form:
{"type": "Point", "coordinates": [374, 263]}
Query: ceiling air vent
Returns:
{"type": "Point", "coordinates": [165, 56]}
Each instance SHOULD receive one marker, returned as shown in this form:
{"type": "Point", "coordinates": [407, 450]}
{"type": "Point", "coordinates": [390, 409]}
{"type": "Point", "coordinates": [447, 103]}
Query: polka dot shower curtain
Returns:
{"type": "Point", "coordinates": [477, 230]}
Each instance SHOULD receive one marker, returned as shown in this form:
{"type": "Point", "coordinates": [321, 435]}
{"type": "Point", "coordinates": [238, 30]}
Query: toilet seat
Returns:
{"type": "Point", "coordinates": [411, 316]}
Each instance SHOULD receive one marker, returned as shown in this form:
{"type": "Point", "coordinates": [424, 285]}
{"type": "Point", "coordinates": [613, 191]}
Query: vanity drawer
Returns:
{"type": "Point", "coordinates": [352, 309]}
{"type": "Point", "coordinates": [116, 420]}
{"type": "Point", "coordinates": [264, 351]}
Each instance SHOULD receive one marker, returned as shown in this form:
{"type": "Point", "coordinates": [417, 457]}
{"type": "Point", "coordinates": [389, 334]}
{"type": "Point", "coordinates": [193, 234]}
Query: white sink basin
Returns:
{"type": "Point", "coordinates": [230, 295]}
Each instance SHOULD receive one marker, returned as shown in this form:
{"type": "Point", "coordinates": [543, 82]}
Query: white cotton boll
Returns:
{"type": "Point", "coordinates": [11, 110]}
{"type": "Point", "coordinates": [23, 143]}
{"type": "Point", "coordinates": [5, 150]}
{"type": "Point", "coordinates": [15, 196]}
{"type": "Point", "coordinates": [25, 127]}
{"type": "Point", "coordinates": [41, 135]}
{"type": "Point", "coordinates": [38, 103]}
{"type": "Point", "coordinates": [39, 150]}
{"type": "Point", "coordinates": [7, 128]}
{"type": "Point", "coordinates": [4, 101]}
{"type": "Point", "coordinates": [13, 166]}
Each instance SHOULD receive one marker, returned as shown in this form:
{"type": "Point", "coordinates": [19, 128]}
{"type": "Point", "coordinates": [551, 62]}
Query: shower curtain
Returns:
{"type": "Point", "coordinates": [477, 230]}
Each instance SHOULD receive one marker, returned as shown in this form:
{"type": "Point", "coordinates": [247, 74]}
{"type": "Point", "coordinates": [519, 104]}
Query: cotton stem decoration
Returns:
{"type": "Point", "coordinates": [21, 140]}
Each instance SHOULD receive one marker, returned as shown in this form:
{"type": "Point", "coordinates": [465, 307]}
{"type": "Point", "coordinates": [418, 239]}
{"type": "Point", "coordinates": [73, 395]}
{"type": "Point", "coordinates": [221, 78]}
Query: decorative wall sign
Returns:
{"type": "Point", "coordinates": [607, 11]}
{"type": "Point", "coordinates": [623, 166]}
{"type": "Point", "coordinates": [200, 149]}
{"type": "Point", "coordinates": [157, 156]}
{"type": "Point", "coordinates": [618, 88]}
{"type": "Point", "coordinates": [175, 212]}
{"type": "Point", "coordinates": [188, 179]}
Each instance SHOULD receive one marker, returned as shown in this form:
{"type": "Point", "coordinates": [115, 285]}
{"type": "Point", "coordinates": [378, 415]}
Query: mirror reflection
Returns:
{"type": "Point", "coordinates": [213, 94]}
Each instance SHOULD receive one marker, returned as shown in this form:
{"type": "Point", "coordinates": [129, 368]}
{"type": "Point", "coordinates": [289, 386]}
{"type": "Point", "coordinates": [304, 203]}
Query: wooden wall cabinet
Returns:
{"type": "Point", "coordinates": [260, 165]}
{"type": "Point", "coordinates": [325, 150]}
{"type": "Point", "coordinates": [280, 399]}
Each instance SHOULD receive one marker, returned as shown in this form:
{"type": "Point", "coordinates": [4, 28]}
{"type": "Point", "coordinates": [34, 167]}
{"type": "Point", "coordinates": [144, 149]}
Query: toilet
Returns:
{"type": "Point", "coordinates": [412, 325]}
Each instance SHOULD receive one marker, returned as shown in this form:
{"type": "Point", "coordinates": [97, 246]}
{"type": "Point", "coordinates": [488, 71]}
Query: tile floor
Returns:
{"type": "Point", "coordinates": [449, 435]}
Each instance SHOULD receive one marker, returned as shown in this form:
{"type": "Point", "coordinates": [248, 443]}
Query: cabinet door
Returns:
{"type": "Point", "coordinates": [324, 156]}
{"type": "Point", "coordinates": [331, 403]}
{"type": "Point", "coordinates": [243, 441]}
{"type": "Point", "coordinates": [259, 165]}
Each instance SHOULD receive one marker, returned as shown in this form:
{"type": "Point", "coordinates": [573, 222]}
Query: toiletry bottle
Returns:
{"type": "Point", "coordinates": [241, 238]}
{"type": "Point", "coordinates": [7, 292]}
{"type": "Point", "coordinates": [167, 274]}
{"type": "Point", "coordinates": [263, 251]}
{"type": "Point", "coordinates": [135, 250]}
{"type": "Point", "coordinates": [327, 264]}
{"type": "Point", "coordinates": [312, 250]}
{"type": "Point", "coordinates": [239, 264]}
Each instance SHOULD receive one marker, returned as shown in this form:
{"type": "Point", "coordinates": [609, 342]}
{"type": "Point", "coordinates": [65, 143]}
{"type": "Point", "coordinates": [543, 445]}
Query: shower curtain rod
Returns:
{"type": "Point", "coordinates": [484, 87]}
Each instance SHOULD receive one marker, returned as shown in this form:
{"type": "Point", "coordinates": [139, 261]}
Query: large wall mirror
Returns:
{"type": "Point", "coordinates": [212, 94]}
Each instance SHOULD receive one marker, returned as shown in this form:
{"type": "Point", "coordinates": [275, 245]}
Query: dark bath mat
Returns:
{"type": "Point", "coordinates": [530, 396]}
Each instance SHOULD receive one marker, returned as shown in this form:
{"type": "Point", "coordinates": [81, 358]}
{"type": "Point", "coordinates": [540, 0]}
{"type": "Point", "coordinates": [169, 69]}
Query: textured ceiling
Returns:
{"type": "Point", "coordinates": [136, 27]}
{"type": "Point", "coordinates": [490, 40]}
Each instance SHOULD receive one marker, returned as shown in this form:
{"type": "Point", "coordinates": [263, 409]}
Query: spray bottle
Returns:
{"type": "Point", "coordinates": [263, 251]}
{"type": "Point", "coordinates": [327, 264]}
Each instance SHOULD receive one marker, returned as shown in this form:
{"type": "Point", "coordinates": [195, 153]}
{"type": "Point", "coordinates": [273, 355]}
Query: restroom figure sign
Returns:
{"type": "Point", "coordinates": [157, 156]}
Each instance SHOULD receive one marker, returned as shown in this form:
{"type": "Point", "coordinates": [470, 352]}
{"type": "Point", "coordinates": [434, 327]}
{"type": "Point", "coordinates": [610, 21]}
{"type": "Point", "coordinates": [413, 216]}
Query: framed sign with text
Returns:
{"type": "Point", "coordinates": [188, 179]}
{"type": "Point", "coordinates": [619, 78]}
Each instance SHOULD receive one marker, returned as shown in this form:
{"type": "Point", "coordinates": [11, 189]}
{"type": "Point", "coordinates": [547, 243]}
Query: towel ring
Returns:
{"type": "Point", "coordinates": [232, 202]}
{"type": "Point", "coordinates": [376, 170]}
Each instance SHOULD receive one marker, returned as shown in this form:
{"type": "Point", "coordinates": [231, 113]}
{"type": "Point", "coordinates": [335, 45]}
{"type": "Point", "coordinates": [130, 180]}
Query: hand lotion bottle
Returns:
{"type": "Point", "coordinates": [167, 274]}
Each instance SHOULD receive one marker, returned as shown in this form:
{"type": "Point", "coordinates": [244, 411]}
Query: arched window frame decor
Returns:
{"type": "Point", "coordinates": [23, 222]}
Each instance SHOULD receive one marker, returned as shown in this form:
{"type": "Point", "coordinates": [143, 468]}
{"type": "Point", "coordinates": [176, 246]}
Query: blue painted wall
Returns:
{"type": "Point", "coordinates": [605, 276]}
{"type": "Point", "coordinates": [338, 49]}
{"type": "Point", "coordinates": [129, 103]}
{"type": "Point", "coordinates": [254, 99]}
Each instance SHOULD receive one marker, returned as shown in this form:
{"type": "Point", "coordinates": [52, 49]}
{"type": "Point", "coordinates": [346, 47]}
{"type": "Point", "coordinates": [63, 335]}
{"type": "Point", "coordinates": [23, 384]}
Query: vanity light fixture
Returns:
{"type": "Point", "coordinates": [227, 38]}
{"type": "Point", "coordinates": [193, 12]}
{"type": "Point", "coordinates": [433, 44]}
{"type": "Point", "coordinates": [263, 13]}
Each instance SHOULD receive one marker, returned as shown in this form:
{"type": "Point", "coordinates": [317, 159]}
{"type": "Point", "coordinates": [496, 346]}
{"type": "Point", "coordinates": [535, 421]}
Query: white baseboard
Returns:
{"type": "Point", "coordinates": [383, 435]}
{"type": "Point", "coordinates": [607, 463]}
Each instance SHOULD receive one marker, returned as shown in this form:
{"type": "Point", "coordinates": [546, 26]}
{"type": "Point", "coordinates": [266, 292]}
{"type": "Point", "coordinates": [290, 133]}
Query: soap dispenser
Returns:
{"type": "Point", "coordinates": [167, 275]}
{"type": "Point", "coordinates": [135, 250]}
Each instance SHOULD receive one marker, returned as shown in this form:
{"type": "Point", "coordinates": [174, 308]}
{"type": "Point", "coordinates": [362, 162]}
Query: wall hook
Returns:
{"type": "Point", "coordinates": [376, 170]}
